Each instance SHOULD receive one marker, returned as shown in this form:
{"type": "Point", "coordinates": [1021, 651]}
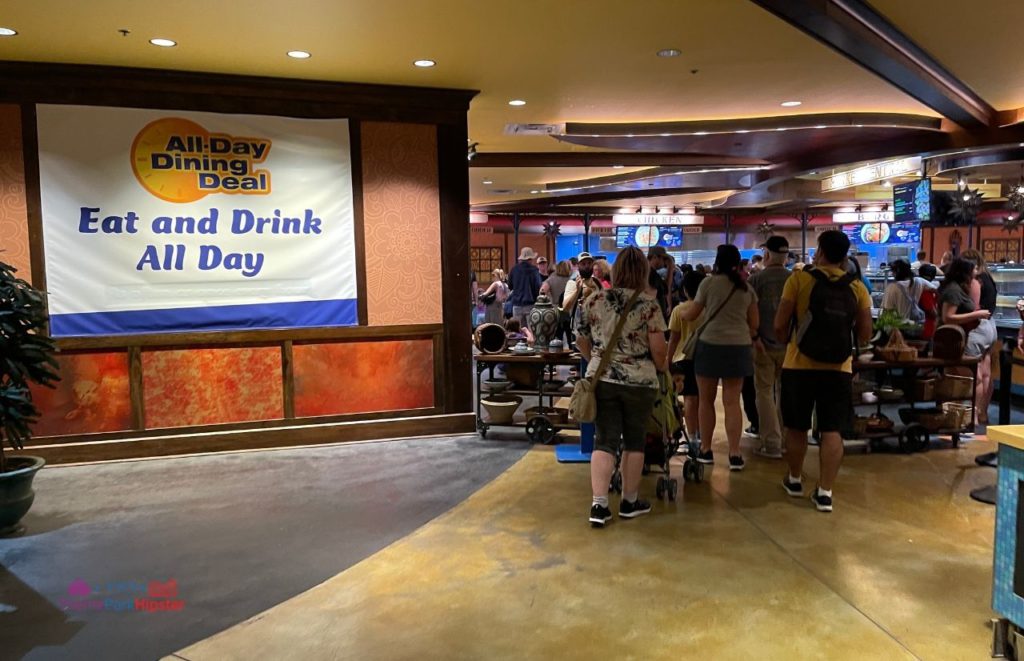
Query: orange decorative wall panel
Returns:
{"type": "Point", "coordinates": [13, 206]}
{"type": "Point", "coordinates": [92, 396]}
{"type": "Point", "coordinates": [211, 386]}
{"type": "Point", "coordinates": [402, 223]}
{"type": "Point", "coordinates": [363, 377]}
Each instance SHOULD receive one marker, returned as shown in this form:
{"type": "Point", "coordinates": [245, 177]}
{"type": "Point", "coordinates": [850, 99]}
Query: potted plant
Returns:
{"type": "Point", "coordinates": [26, 356]}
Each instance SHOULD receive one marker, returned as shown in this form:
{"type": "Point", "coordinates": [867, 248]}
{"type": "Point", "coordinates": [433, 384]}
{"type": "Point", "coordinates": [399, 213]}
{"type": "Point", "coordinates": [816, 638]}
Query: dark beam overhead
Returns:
{"type": "Point", "coordinates": [856, 30]}
{"type": "Point", "coordinates": [603, 159]}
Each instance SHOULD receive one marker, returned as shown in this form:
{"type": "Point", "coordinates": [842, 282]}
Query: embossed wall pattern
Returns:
{"type": "Point", "coordinates": [402, 223]}
{"type": "Point", "coordinates": [13, 204]}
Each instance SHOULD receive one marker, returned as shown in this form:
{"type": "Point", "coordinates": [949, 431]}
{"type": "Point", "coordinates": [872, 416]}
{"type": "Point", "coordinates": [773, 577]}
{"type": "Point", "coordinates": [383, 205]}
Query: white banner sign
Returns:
{"type": "Point", "coordinates": [657, 219]}
{"type": "Point", "coordinates": [161, 221]}
{"type": "Point", "coordinates": [863, 217]}
{"type": "Point", "coordinates": [870, 173]}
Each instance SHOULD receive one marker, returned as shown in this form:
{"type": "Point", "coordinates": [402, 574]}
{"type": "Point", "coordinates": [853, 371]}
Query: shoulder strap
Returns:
{"type": "Point", "coordinates": [700, 329]}
{"type": "Point", "coordinates": [606, 355]}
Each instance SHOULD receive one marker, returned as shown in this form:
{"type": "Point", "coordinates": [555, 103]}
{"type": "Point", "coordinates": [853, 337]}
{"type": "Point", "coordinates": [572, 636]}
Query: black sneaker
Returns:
{"type": "Point", "coordinates": [628, 510]}
{"type": "Point", "coordinates": [705, 457]}
{"type": "Point", "coordinates": [736, 463]}
{"type": "Point", "coordinates": [823, 503]}
{"type": "Point", "coordinates": [794, 489]}
{"type": "Point", "coordinates": [599, 515]}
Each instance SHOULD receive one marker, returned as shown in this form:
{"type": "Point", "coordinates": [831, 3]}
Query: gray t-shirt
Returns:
{"type": "Point", "coordinates": [954, 294]}
{"type": "Point", "coordinates": [729, 326]}
{"type": "Point", "coordinates": [768, 284]}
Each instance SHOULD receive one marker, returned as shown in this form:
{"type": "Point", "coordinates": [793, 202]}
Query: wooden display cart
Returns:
{"type": "Point", "coordinates": [539, 428]}
{"type": "Point", "coordinates": [914, 437]}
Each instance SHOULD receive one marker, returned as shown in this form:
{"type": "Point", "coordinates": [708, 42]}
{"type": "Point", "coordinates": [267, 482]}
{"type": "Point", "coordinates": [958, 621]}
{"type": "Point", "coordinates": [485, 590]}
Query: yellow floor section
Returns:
{"type": "Point", "coordinates": [734, 570]}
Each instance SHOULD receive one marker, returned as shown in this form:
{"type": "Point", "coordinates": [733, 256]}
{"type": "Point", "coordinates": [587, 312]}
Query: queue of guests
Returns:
{"type": "Point", "coordinates": [747, 328]}
{"type": "Point", "coordinates": [796, 330]}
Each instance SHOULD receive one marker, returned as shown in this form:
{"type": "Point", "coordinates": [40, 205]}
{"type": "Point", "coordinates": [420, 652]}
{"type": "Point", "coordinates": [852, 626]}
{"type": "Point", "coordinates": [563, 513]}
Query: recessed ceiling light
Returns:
{"type": "Point", "coordinates": [299, 54]}
{"type": "Point", "coordinates": [7, 32]}
{"type": "Point", "coordinates": [487, 182]}
{"type": "Point", "coordinates": [791, 104]}
{"type": "Point", "coordinates": [165, 43]}
{"type": "Point", "coordinates": [618, 167]}
{"type": "Point", "coordinates": [669, 52]}
{"type": "Point", "coordinates": [424, 64]}
{"type": "Point", "coordinates": [517, 102]}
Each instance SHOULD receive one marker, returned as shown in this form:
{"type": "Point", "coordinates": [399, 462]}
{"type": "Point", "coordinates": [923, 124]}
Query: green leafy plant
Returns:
{"type": "Point", "coordinates": [26, 356]}
{"type": "Point", "coordinates": [890, 320]}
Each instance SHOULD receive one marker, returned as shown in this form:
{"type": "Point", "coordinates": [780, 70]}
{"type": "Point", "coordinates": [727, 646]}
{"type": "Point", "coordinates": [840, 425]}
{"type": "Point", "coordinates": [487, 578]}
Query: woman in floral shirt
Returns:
{"type": "Point", "coordinates": [629, 385]}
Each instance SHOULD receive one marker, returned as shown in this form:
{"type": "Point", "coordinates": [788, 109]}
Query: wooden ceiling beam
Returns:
{"type": "Point", "coordinates": [857, 31]}
{"type": "Point", "coordinates": [603, 159]}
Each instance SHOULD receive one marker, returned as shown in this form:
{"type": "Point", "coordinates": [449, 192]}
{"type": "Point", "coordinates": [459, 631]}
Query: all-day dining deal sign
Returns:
{"type": "Point", "coordinates": [166, 221]}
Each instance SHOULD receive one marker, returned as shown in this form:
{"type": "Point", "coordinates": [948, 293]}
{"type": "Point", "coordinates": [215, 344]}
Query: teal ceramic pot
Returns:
{"type": "Point", "coordinates": [543, 321]}
{"type": "Point", "coordinates": [16, 494]}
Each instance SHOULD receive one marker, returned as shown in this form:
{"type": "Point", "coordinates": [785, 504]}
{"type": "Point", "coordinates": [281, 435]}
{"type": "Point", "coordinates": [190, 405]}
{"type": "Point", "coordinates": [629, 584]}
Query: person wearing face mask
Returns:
{"type": "Point", "coordinates": [580, 288]}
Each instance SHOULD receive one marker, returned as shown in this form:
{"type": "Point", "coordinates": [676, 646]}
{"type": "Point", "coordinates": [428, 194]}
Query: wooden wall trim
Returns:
{"type": "Point", "coordinates": [277, 437]}
{"type": "Point", "coordinates": [266, 337]}
{"type": "Point", "coordinates": [39, 82]}
{"type": "Point", "coordinates": [288, 379]}
{"type": "Point", "coordinates": [136, 389]}
{"type": "Point", "coordinates": [359, 220]}
{"type": "Point", "coordinates": [453, 186]}
{"type": "Point", "coordinates": [33, 195]}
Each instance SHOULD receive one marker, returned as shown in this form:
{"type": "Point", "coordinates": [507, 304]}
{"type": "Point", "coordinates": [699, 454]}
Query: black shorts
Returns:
{"type": "Point", "coordinates": [684, 368]}
{"type": "Point", "coordinates": [827, 391]}
{"type": "Point", "coordinates": [623, 413]}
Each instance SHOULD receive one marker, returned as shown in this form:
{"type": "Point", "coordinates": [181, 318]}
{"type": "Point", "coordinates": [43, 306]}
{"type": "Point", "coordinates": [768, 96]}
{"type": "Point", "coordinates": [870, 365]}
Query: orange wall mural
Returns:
{"type": "Point", "coordinates": [13, 208]}
{"type": "Point", "coordinates": [92, 396]}
{"type": "Point", "coordinates": [402, 228]}
{"type": "Point", "coordinates": [210, 386]}
{"type": "Point", "coordinates": [363, 377]}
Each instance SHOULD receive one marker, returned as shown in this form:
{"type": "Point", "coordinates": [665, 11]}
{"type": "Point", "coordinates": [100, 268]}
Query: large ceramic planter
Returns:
{"type": "Point", "coordinates": [489, 338]}
{"type": "Point", "coordinates": [543, 321]}
{"type": "Point", "coordinates": [16, 494]}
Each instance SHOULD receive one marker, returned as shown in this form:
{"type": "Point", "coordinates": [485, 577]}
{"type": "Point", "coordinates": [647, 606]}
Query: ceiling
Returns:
{"type": "Point", "coordinates": [571, 61]}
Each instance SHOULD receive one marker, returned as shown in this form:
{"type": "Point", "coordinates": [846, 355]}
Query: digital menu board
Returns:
{"type": "Point", "coordinates": [912, 202]}
{"type": "Point", "coordinates": [647, 236]}
{"type": "Point", "coordinates": [892, 234]}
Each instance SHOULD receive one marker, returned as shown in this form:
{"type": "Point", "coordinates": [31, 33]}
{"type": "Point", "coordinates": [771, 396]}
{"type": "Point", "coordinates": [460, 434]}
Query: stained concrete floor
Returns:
{"type": "Point", "coordinates": [239, 532]}
{"type": "Point", "coordinates": [734, 570]}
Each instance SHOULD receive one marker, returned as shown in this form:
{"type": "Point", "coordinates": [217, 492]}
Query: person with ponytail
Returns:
{"type": "Point", "coordinates": [724, 351]}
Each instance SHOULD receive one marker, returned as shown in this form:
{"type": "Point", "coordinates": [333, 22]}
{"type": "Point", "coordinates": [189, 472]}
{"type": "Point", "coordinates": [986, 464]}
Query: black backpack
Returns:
{"type": "Point", "coordinates": [826, 333]}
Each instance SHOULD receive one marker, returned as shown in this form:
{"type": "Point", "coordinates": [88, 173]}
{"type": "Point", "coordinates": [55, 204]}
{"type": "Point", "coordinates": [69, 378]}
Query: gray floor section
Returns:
{"type": "Point", "coordinates": [238, 532]}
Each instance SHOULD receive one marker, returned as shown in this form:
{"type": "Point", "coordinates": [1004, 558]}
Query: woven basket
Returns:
{"type": "Point", "coordinates": [923, 390]}
{"type": "Point", "coordinates": [897, 354]}
{"type": "Point", "coordinates": [952, 386]}
{"type": "Point", "coordinates": [957, 414]}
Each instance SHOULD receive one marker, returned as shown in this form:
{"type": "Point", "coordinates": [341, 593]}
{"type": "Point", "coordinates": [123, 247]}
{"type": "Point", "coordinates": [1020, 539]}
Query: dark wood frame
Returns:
{"type": "Point", "coordinates": [28, 84]}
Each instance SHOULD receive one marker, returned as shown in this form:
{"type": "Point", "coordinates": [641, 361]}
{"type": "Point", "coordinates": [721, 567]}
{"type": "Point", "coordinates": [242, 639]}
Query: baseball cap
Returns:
{"type": "Point", "coordinates": [584, 255]}
{"type": "Point", "coordinates": [777, 244]}
{"type": "Point", "coordinates": [542, 260]}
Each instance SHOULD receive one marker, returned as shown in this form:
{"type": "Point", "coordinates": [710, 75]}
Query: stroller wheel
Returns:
{"type": "Point", "coordinates": [673, 489]}
{"type": "Point", "coordinates": [616, 485]}
{"type": "Point", "coordinates": [660, 488]}
{"type": "Point", "coordinates": [698, 473]}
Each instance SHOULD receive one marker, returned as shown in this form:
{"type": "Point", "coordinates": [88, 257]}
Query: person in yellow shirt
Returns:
{"type": "Point", "coordinates": [679, 363]}
{"type": "Point", "coordinates": [821, 312]}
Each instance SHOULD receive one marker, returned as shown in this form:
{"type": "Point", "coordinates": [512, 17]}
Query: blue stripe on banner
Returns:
{"type": "Point", "coordinates": [301, 314]}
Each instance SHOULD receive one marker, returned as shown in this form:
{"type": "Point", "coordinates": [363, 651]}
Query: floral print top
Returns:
{"type": "Point", "coordinates": [631, 363]}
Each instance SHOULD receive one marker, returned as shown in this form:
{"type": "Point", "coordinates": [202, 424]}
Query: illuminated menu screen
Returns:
{"type": "Point", "coordinates": [883, 233]}
{"type": "Point", "coordinates": [912, 202]}
{"type": "Point", "coordinates": [646, 236]}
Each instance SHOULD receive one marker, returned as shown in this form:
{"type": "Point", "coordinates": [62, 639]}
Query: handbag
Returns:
{"type": "Point", "coordinates": [487, 299]}
{"type": "Point", "coordinates": [583, 403]}
{"type": "Point", "coordinates": [691, 342]}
